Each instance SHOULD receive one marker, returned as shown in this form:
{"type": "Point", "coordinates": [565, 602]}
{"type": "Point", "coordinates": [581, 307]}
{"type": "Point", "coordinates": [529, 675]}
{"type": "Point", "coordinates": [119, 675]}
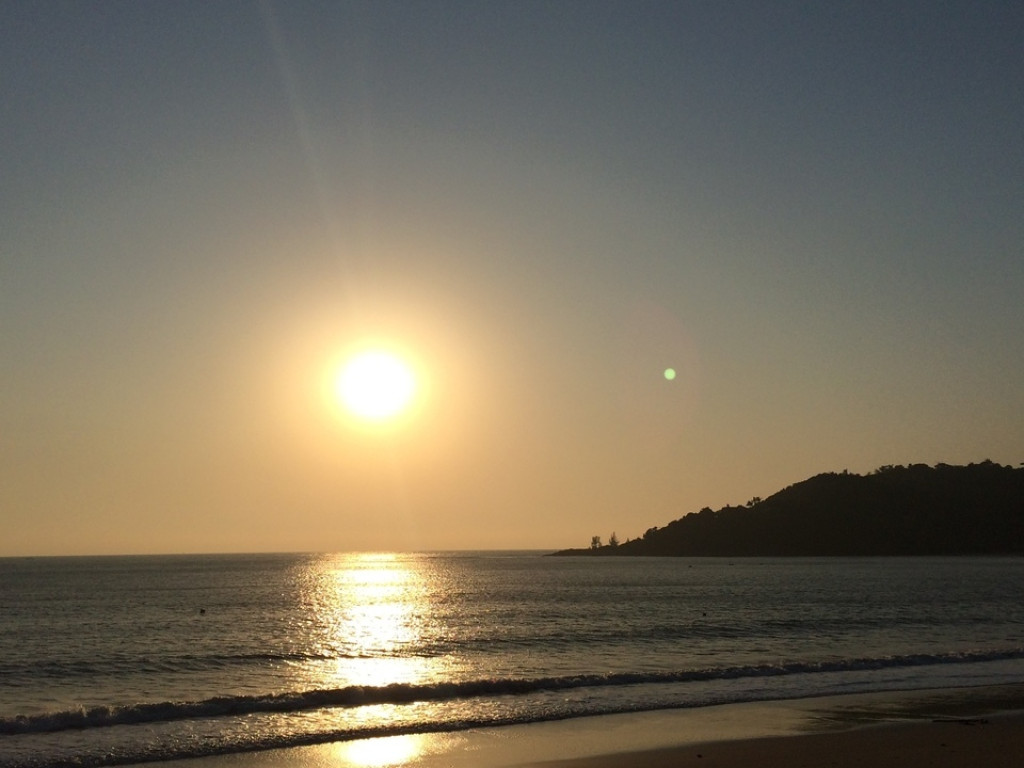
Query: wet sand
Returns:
{"type": "Point", "coordinates": [952, 728]}
{"type": "Point", "coordinates": [993, 743]}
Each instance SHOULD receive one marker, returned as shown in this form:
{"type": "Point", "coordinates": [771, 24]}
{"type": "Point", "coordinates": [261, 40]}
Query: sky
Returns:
{"type": "Point", "coordinates": [812, 212]}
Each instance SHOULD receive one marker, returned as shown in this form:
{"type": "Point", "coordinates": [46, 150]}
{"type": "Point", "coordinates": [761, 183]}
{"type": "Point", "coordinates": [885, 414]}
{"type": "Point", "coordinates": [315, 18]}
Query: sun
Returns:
{"type": "Point", "coordinates": [375, 385]}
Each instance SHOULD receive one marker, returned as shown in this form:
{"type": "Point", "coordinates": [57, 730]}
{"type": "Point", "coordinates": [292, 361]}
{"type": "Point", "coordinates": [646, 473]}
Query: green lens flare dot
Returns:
{"type": "Point", "coordinates": [670, 373]}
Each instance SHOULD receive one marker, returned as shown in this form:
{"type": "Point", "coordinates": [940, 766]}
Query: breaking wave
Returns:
{"type": "Point", "coordinates": [403, 693]}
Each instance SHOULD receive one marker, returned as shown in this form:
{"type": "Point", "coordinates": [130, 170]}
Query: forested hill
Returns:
{"type": "Point", "coordinates": [895, 510]}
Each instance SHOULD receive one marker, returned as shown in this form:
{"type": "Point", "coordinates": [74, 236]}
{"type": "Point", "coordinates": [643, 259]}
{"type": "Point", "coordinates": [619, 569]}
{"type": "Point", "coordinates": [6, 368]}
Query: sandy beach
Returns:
{"type": "Point", "coordinates": [994, 743]}
{"type": "Point", "coordinates": [952, 728]}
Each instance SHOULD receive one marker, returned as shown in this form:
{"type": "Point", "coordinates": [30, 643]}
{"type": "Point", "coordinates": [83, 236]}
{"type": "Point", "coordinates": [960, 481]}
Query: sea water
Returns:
{"type": "Point", "coordinates": [111, 660]}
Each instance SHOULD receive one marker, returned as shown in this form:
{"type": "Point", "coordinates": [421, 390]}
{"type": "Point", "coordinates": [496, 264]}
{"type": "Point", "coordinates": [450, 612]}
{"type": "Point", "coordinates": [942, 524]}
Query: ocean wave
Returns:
{"type": "Point", "coordinates": [66, 669]}
{"type": "Point", "coordinates": [404, 693]}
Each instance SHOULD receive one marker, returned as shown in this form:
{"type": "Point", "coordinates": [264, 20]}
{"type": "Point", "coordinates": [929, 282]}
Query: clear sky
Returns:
{"type": "Point", "coordinates": [812, 212]}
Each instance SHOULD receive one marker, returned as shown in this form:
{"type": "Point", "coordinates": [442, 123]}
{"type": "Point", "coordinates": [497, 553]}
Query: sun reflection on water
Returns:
{"type": "Point", "coordinates": [372, 610]}
{"type": "Point", "coordinates": [378, 753]}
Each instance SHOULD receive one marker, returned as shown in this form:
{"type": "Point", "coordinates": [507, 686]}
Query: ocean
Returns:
{"type": "Point", "coordinates": [115, 660]}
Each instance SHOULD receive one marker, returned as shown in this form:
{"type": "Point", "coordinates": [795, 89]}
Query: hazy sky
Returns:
{"type": "Point", "coordinates": [814, 212]}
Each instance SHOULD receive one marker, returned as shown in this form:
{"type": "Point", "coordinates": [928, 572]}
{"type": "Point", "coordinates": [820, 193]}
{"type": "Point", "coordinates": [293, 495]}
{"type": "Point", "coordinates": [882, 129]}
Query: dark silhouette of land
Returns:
{"type": "Point", "coordinates": [895, 510]}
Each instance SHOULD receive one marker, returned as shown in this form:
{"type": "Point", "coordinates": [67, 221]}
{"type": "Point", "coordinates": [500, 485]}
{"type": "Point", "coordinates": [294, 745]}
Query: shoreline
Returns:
{"type": "Point", "coordinates": [996, 742]}
{"type": "Point", "coordinates": [943, 728]}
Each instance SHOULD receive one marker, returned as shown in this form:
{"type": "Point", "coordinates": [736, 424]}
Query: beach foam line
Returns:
{"type": "Point", "coordinates": [797, 733]}
{"type": "Point", "coordinates": [403, 693]}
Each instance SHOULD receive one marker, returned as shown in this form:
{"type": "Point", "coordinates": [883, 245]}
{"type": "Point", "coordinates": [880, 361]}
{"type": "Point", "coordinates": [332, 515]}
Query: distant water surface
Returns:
{"type": "Point", "coordinates": [110, 660]}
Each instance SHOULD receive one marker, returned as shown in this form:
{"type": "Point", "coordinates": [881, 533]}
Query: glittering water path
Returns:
{"type": "Point", "coordinates": [108, 660]}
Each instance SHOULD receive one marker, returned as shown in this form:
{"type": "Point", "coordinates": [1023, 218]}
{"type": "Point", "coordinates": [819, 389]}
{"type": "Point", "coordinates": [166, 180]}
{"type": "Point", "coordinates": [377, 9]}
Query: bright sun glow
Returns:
{"type": "Point", "coordinates": [376, 385]}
